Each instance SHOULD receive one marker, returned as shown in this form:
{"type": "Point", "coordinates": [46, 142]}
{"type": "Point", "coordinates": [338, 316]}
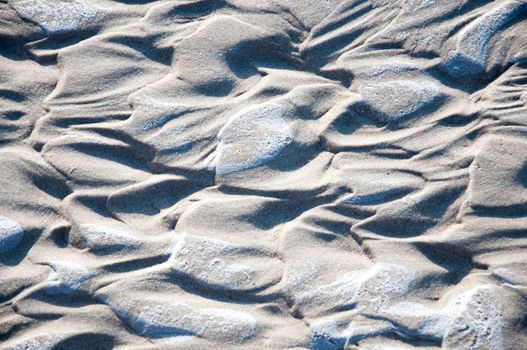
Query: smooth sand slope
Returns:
{"type": "Point", "coordinates": [249, 174]}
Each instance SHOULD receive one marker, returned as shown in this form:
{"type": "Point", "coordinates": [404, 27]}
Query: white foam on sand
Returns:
{"type": "Point", "coordinates": [326, 335]}
{"type": "Point", "coordinates": [171, 140]}
{"type": "Point", "coordinates": [427, 322]}
{"type": "Point", "coordinates": [11, 233]}
{"type": "Point", "coordinates": [38, 342]}
{"type": "Point", "coordinates": [389, 67]}
{"type": "Point", "coordinates": [470, 54]}
{"type": "Point", "coordinates": [298, 274]}
{"type": "Point", "coordinates": [67, 276]}
{"type": "Point", "coordinates": [333, 335]}
{"type": "Point", "coordinates": [394, 99]}
{"type": "Point", "coordinates": [371, 289]}
{"type": "Point", "coordinates": [478, 320]}
{"type": "Point", "coordinates": [175, 319]}
{"type": "Point", "coordinates": [101, 238]}
{"type": "Point", "coordinates": [251, 138]}
{"type": "Point", "coordinates": [154, 113]}
{"type": "Point", "coordinates": [470, 321]}
{"type": "Point", "coordinates": [414, 5]}
{"type": "Point", "coordinates": [56, 15]}
{"type": "Point", "coordinates": [382, 347]}
{"type": "Point", "coordinates": [345, 158]}
{"type": "Point", "coordinates": [202, 259]}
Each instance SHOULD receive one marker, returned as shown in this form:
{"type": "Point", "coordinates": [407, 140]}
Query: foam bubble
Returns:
{"type": "Point", "coordinates": [10, 234]}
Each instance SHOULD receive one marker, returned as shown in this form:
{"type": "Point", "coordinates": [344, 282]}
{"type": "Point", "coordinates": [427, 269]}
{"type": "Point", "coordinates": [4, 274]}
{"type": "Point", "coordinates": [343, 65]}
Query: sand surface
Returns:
{"type": "Point", "coordinates": [250, 174]}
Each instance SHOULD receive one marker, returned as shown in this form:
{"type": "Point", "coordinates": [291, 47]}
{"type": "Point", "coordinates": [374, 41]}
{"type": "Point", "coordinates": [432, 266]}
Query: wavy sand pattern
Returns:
{"type": "Point", "coordinates": [237, 174]}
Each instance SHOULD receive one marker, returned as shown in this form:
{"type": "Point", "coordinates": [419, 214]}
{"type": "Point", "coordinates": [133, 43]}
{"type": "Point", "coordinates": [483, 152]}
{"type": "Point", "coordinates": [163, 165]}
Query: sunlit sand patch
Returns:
{"type": "Point", "coordinates": [370, 290]}
{"type": "Point", "coordinates": [251, 138]}
{"type": "Point", "coordinates": [67, 277]}
{"type": "Point", "coordinates": [101, 238]}
{"type": "Point", "coordinates": [299, 274]}
{"type": "Point", "coordinates": [153, 113]}
{"type": "Point", "coordinates": [331, 334]}
{"type": "Point", "coordinates": [478, 321]}
{"type": "Point", "coordinates": [36, 342]}
{"type": "Point", "coordinates": [470, 54]}
{"type": "Point", "coordinates": [58, 15]}
{"type": "Point", "coordinates": [472, 320]}
{"type": "Point", "coordinates": [392, 100]}
{"type": "Point", "coordinates": [220, 265]}
{"type": "Point", "coordinates": [159, 319]}
{"type": "Point", "coordinates": [263, 174]}
{"type": "Point", "coordinates": [11, 234]}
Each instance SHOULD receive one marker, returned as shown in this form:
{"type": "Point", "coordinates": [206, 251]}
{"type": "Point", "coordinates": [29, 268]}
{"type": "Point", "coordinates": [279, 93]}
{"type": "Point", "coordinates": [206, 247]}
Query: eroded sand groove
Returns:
{"type": "Point", "coordinates": [200, 174]}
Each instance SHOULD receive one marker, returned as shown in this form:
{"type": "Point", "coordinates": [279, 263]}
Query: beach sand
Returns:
{"type": "Point", "coordinates": [240, 174]}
